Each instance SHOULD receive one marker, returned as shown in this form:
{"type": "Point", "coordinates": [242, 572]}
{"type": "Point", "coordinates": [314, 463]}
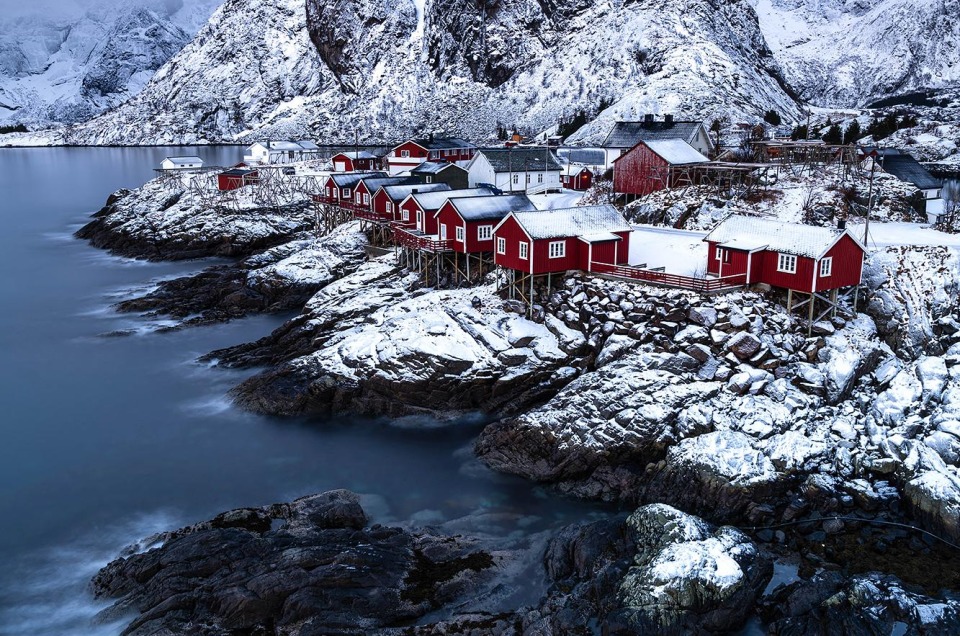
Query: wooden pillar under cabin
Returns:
{"type": "Point", "coordinates": [789, 300]}
{"type": "Point", "coordinates": [833, 300]}
{"type": "Point", "coordinates": [813, 298]}
{"type": "Point", "coordinates": [468, 267]}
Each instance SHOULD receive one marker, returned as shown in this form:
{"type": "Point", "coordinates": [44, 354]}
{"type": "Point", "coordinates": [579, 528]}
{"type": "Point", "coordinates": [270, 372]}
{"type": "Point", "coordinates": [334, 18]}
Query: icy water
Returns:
{"type": "Point", "coordinates": [104, 440]}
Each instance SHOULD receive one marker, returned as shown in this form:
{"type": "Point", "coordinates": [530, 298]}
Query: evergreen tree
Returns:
{"type": "Point", "coordinates": [833, 135]}
{"type": "Point", "coordinates": [852, 133]}
{"type": "Point", "coordinates": [772, 117]}
{"type": "Point", "coordinates": [799, 132]}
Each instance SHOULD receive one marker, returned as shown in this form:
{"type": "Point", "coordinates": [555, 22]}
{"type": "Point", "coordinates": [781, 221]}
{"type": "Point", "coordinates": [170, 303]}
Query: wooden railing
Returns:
{"type": "Point", "coordinates": [407, 236]}
{"type": "Point", "coordinates": [702, 285]}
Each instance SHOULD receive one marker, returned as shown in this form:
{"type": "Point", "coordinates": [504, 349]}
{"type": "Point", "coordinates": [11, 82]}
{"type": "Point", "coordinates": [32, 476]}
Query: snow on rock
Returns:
{"type": "Point", "coordinates": [727, 456]}
{"type": "Point", "coordinates": [850, 354]}
{"type": "Point", "coordinates": [934, 496]}
{"type": "Point", "coordinates": [899, 398]}
{"type": "Point", "coordinates": [687, 572]}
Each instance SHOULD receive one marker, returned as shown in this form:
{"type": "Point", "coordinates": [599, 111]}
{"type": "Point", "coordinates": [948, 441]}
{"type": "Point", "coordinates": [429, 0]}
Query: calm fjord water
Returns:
{"type": "Point", "coordinates": [104, 440]}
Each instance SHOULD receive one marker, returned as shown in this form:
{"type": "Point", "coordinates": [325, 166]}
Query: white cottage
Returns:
{"type": "Point", "coordinates": [181, 163]}
{"type": "Point", "coordinates": [530, 170]}
{"type": "Point", "coordinates": [267, 152]}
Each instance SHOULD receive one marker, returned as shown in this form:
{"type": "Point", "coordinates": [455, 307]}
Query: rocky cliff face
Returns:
{"type": "Point", "coordinates": [324, 68]}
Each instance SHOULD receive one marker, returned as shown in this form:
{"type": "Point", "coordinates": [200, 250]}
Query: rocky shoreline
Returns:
{"type": "Point", "coordinates": [835, 451]}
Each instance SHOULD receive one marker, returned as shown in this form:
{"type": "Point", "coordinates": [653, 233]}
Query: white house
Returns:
{"type": "Point", "coordinates": [266, 152]}
{"type": "Point", "coordinates": [181, 163]}
{"type": "Point", "coordinates": [627, 134]}
{"type": "Point", "coordinates": [530, 170]}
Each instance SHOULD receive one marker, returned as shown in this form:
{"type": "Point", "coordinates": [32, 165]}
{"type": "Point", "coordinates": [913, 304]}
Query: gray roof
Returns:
{"type": "Point", "coordinates": [362, 154]}
{"type": "Point", "coordinates": [182, 160]}
{"type": "Point", "coordinates": [906, 168]}
{"type": "Point", "coordinates": [375, 183]}
{"type": "Point", "coordinates": [588, 156]}
{"type": "Point", "coordinates": [627, 134]}
{"type": "Point", "coordinates": [348, 179]}
{"type": "Point", "coordinates": [751, 233]}
{"type": "Point", "coordinates": [491, 208]}
{"type": "Point", "coordinates": [443, 143]}
{"type": "Point", "coordinates": [433, 167]}
{"type": "Point", "coordinates": [435, 200]}
{"type": "Point", "coordinates": [584, 221]}
{"type": "Point", "coordinates": [401, 192]}
{"type": "Point", "coordinates": [520, 159]}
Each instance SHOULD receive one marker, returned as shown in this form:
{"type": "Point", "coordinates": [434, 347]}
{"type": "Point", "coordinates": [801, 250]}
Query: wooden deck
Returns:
{"type": "Point", "coordinates": [701, 285]}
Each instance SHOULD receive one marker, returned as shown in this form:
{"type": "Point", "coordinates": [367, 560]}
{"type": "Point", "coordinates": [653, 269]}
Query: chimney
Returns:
{"type": "Point", "coordinates": [668, 119]}
{"type": "Point", "coordinates": [415, 191]}
{"type": "Point", "coordinates": [842, 224]}
{"type": "Point", "coordinates": [648, 118]}
{"type": "Point", "coordinates": [431, 136]}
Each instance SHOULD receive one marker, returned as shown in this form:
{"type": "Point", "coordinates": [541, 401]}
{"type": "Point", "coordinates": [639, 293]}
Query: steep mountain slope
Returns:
{"type": "Point", "coordinates": [70, 66]}
{"type": "Point", "coordinates": [324, 68]}
{"type": "Point", "coordinates": [847, 53]}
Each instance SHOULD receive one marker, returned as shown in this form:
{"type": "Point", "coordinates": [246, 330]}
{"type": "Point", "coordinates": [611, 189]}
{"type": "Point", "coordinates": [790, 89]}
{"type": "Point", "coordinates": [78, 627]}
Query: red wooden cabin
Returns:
{"type": "Point", "coordinates": [366, 187]}
{"type": "Point", "coordinates": [654, 165]}
{"type": "Point", "coordinates": [468, 222]}
{"type": "Point", "coordinates": [803, 258]}
{"type": "Point", "coordinates": [387, 200]}
{"type": "Point", "coordinates": [411, 154]}
{"type": "Point", "coordinates": [236, 178]}
{"type": "Point", "coordinates": [576, 178]}
{"type": "Point", "coordinates": [551, 241]}
{"type": "Point", "coordinates": [354, 161]}
{"type": "Point", "coordinates": [339, 187]}
{"type": "Point", "coordinates": [419, 210]}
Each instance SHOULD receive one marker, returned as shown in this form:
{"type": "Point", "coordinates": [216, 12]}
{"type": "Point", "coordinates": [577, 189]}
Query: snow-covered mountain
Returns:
{"type": "Point", "coordinates": [69, 65]}
{"type": "Point", "coordinates": [847, 53]}
{"type": "Point", "coordinates": [391, 68]}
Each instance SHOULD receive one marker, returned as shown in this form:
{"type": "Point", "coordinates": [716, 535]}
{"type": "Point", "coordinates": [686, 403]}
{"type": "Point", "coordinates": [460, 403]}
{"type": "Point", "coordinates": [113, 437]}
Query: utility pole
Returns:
{"type": "Point", "coordinates": [873, 171]}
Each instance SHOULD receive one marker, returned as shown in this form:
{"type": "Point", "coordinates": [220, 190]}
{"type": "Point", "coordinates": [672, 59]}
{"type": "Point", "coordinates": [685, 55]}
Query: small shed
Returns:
{"type": "Point", "coordinates": [576, 177]}
{"type": "Point", "coordinates": [655, 165]}
{"type": "Point", "coordinates": [354, 160]}
{"type": "Point", "coordinates": [468, 222]}
{"type": "Point", "coordinates": [552, 241]}
{"type": "Point", "coordinates": [802, 258]}
{"type": "Point", "coordinates": [437, 172]}
{"type": "Point", "coordinates": [181, 163]}
{"type": "Point", "coordinates": [236, 178]}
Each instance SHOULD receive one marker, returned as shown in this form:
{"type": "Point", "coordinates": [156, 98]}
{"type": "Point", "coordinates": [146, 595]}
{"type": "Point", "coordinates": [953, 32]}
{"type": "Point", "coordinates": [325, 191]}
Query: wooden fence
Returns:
{"type": "Point", "coordinates": [701, 285]}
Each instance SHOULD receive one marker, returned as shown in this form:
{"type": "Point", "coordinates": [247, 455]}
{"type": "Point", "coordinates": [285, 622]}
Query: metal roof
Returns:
{"type": "Point", "coordinates": [442, 143]}
{"type": "Point", "coordinates": [751, 233]}
{"type": "Point", "coordinates": [906, 168]}
{"type": "Point", "coordinates": [491, 208]}
{"type": "Point", "coordinates": [565, 222]}
{"type": "Point", "coordinates": [435, 200]}
{"type": "Point", "coordinates": [434, 167]}
{"type": "Point", "coordinates": [182, 160]}
{"type": "Point", "coordinates": [520, 159]}
{"type": "Point", "coordinates": [627, 134]}
{"type": "Point", "coordinates": [586, 156]}
{"type": "Point", "coordinates": [346, 179]}
{"type": "Point", "coordinates": [375, 183]}
{"type": "Point", "coordinates": [400, 192]}
{"type": "Point", "coordinates": [676, 151]}
{"type": "Point", "coordinates": [362, 154]}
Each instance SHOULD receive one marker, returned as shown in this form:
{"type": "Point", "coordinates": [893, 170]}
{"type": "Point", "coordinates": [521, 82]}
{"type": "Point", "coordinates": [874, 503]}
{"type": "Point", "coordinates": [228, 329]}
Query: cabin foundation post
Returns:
{"type": "Point", "coordinates": [810, 315]}
{"type": "Point", "coordinates": [789, 300]}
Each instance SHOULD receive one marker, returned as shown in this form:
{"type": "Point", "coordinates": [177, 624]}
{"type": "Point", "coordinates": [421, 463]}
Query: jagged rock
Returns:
{"type": "Point", "coordinates": [703, 315]}
{"type": "Point", "coordinates": [744, 345]}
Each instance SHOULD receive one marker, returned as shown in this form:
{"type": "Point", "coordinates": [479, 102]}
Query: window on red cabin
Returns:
{"type": "Point", "coordinates": [366, 199]}
{"type": "Point", "coordinates": [558, 249]}
{"type": "Point", "coordinates": [787, 263]}
{"type": "Point", "coordinates": [346, 193]}
{"type": "Point", "coordinates": [460, 233]}
{"type": "Point", "coordinates": [501, 245]}
{"type": "Point", "coordinates": [406, 214]}
{"type": "Point", "coordinates": [484, 232]}
{"type": "Point", "coordinates": [523, 250]}
{"type": "Point", "coordinates": [826, 267]}
{"type": "Point", "coordinates": [404, 153]}
{"type": "Point", "coordinates": [389, 207]}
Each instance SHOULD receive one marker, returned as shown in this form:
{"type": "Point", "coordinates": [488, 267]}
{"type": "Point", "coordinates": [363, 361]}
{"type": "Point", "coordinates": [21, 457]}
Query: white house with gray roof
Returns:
{"type": "Point", "coordinates": [530, 170]}
{"type": "Point", "coordinates": [181, 163]}
{"type": "Point", "coordinates": [626, 134]}
{"type": "Point", "coordinates": [269, 152]}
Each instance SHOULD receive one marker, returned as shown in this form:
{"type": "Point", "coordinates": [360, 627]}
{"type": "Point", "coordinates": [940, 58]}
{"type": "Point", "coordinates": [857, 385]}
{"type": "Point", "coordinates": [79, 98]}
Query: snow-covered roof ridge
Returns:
{"type": "Point", "coordinates": [563, 222]}
{"type": "Point", "coordinates": [179, 160]}
{"type": "Point", "coordinates": [349, 178]}
{"type": "Point", "coordinates": [403, 190]}
{"type": "Point", "coordinates": [496, 207]}
{"type": "Point", "coordinates": [627, 134]}
{"type": "Point", "coordinates": [361, 154]}
{"type": "Point", "coordinates": [751, 233]}
{"type": "Point", "coordinates": [435, 200]}
{"type": "Point", "coordinates": [676, 151]}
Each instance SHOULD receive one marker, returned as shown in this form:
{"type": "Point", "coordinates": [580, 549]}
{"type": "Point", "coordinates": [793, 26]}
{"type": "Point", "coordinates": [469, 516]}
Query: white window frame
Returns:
{"type": "Point", "coordinates": [516, 179]}
{"type": "Point", "coordinates": [366, 198]}
{"type": "Point", "coordinates": [557, 249]}
{"type": "Point", "coordinates": [501, 245]}
{"type": "Point", "coordinates": [429, 179]}
{"type": "Point", "coordinates": [460, 234]}
{"type": "Point", "coordinates": [718, 254]}
{"type": "Point", "coordinates": [539, 177]}
{"type": "Point", "coordinates": [787, 263]}
{"type": "Point", "coordinates": [389, 207]}
{"type": "Point", "coordinates": [484, 232]}
{"type": "Point", "coordinates": [328, 192]}
{"type": "Point", "coordinates": [404, 153]}
{"type": "Point", "coordinates": [443, 231]}
{"type": "Point", "coordinates": [405, 215]}
{"type": "Point", "coordinates": [347, 193]}
{"type": "Point", "coordinates": [826, 267]}
{"type": "Point", "coordinates": [420, 224]}
{"type": "Point", "coordinates": [524, 246]}
{"type": "Point", "coordinates": [358, 198]}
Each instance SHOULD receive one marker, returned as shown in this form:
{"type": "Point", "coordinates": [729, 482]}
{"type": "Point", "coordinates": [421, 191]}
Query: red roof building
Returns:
{"type": "Point", "coordinates": [411, 154]}
{"type": "Point", "coordinates": [418, 211]}
{"type": "Point", "coordinates": [339, 188]}
{"type": "Point", "coordinates": [387, 200]}
{"type": "Point", "coordinates": [655, 165]}
{"type": "Point", "coordinates": [552, 241]}
{"type": "Point", "coordinates": [792, 256]}
{"type": "Point", "coordinates": [236, 178]}
{"type": "Point", "coordinates": [576, 178]}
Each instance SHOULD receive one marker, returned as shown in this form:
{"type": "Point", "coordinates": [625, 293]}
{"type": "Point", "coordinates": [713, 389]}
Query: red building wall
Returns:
{"type": "Point", "coordinates": [736, 263]}
{"type": "Point", "coordinates": [416, 152]}
{"type": "Point", "coordinates": [542, 263]}
{"type": "Point", "coordinates": [847, 265]}
{"type": "Point", "coordinates": [639, 172]}
{"type": "Point", "coordinates": [578, 181]}
{"type": "Point", "coordinates": [514, 234]}
{"type": "Point", "coordinates": [802, 280]}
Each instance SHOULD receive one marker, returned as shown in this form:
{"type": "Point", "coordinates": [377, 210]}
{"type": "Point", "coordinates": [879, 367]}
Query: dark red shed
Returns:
{"type": "Point", "coordinates": [654, 165]}
{"type": "Point", "coordinates": [236, 178]}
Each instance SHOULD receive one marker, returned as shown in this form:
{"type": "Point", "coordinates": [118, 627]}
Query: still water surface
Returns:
{"type": "Point", "coordinates": [104, 440]}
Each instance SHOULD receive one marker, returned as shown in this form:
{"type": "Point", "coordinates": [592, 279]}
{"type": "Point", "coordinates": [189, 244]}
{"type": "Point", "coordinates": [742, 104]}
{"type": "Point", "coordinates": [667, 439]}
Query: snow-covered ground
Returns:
{"type": "Point", "coordinates": [678, 251]}
{"type": "Point", "coordinates": [565, 199]}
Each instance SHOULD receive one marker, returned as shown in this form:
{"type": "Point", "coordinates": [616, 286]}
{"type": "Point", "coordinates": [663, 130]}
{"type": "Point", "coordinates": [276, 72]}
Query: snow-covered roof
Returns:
{"type": "Point", "coordinates": [627, 134]}
{"type": "Point", "coordinates": [433, 167]}
{"type": "Point", "coordinates": [179, 161]}
{"type": "Point", "coordinates": [599, 237]}
{"type": "Point", "coordinates": [587, 156]}
{"type": "Point", "coordinates": [676, 151]}
{"type": "Point", "coordinates": [353, 154]}
{"type": "Point", "coordinates": [400, 192]}
{"type": "Point", "coordinates": [347, 179]}
{"type": "Point", "coordinates": [563, 222]}
{"type": "Point", "coordinates": [443, 143]}
{"type": "Point", "coordinates": [751, 233]}
{"type": "Point", "coordinates": [375, 183]}
{"type": "Point", "coordinates": [491, 208]}
{"type": "Point", "coordinates": [435, 200]}
{"type": "Point", "coordinates": [519, 159]}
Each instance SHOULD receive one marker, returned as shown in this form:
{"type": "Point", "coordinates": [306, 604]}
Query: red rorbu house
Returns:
{"type": "Point", "coordinates": [576, 178]}
{"type": "Point", "coordinates": [418, 211]}
{"type": "Point", "coordinates": [551, 241]}
{"type": "Point", "coordinates": [799, 258]}
{"type": "Point", "coordinates": [236, 178]}
{"type": "Point", "coordinates": [366, 187]}
{"type": "Point", "coordinates": [411, 154]}
{"type": "Point", "coordinates": [339, 188]}
{"type": "Point", "coordinates": [468, 222]}
{"type": "Point", "coordinates": [354, 161]}
{"type": "Point", "coordinates": [655, 165]}
{"type": "Point", "coordinates": [387, 200]}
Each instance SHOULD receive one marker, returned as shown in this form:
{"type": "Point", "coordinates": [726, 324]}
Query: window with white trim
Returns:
{"type": "Point", "coordinates": [723, 255]}
{"type": "Point", "coordinates": [358, 198]}
{"type": "Point", "coordinates": [346, 193]}
{"type": "Point", "coordinates": [539, 177]}
{"type": "Point", "coordinates": [826, 267]}
{"type": "Point", "coordinates": [484, 232]}
{"type": "Point", "coordinates": [787, 263]}
{"type": "Point", "coordinates": [516, 179]}
{"type": "Point", "coordinates": [328, 192]}
{"type": "Point", "coordinates": [366, 199]}
{"type": "Point", "coordinates": [390, 207]}
{"type": "Point", "coordinates": [404, 153]}
{"type": "Point", "coordinates": [557, 249]}
{"type": "Point", "coordinates": [429, 179]}
{"type": "Point", "coordinates": [523, 250]}
{"type": "Point", "coordinates": [501, 245]}
{"type": "Point", "coordinates": [405, 214]}
{"type": "Point", "coordinates": [420, 219]}
{"type": "Point", "coordinates": [460, 233]}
